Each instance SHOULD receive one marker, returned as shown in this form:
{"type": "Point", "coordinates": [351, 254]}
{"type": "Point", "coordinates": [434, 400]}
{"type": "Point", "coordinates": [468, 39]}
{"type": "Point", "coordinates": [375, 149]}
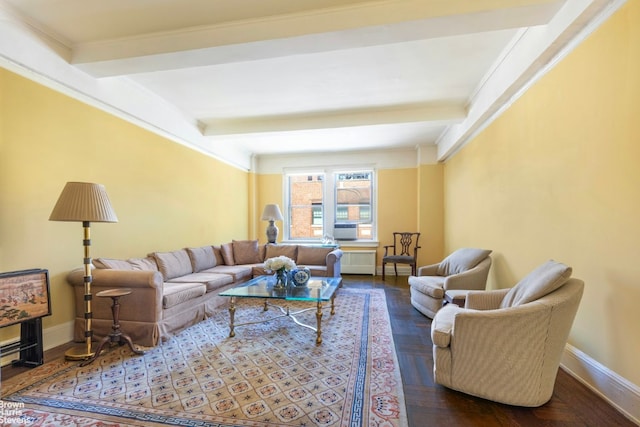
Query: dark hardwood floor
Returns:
{"type": "Point", "coordinates": [429, 404]}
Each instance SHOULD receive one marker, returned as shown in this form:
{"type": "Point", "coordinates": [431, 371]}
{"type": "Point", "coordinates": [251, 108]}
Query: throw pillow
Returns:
{"type": "Point", "coordinates": [541, 281]}
{"type": "Point", "coordinates": [173, 264]}
{"type": "Point", "coordinates": [308, 255]}
{"type": "Point", "coordinates": [227, 253]}
{"type": "Point", "coordinates": [201, 258]}
{"type": "Point", "coordinates": [290, 251]}
{"type": "Point", "coordinates": [462, 260]}
{"type": "Point", "coordinates": [217, 251]}
{"type": "Point", "coordinates": [113, 264]}
{"type": "Point", "coordinates": [245, 251]}
{"type": "Point", "coordinates": [144, 264]}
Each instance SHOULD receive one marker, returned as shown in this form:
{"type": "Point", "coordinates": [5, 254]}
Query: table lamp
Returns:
{"type": "Point", "coordinates": [272, 213]}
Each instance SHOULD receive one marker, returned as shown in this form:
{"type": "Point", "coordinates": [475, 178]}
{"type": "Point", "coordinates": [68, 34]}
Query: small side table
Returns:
{"type": "Point", "coordinates": [116, 336]}
{"type": "Point", "coordinates": [455, 296]}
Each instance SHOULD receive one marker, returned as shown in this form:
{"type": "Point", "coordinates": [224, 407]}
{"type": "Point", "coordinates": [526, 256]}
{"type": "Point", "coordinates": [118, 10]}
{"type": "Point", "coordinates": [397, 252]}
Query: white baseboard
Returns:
{"type": "Point", "coordinates": [619, 392]}
{"type": "Point", "coordinates": [52, 337]}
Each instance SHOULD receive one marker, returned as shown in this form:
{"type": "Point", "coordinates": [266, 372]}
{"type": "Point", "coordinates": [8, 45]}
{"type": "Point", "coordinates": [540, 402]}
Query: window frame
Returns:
{"type": "Point", "coordinates": [329, 200]}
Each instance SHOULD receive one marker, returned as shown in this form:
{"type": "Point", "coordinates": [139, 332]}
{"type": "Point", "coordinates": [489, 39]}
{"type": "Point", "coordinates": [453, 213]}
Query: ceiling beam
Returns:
{"type": "Point", "coordinates": [436, 115]}
{"type": "Point", "coordinates": [346, 27]}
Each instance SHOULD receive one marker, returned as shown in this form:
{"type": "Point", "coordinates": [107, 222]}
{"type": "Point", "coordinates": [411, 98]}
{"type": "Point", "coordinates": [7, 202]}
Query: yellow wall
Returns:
{"type": "Point", "coordinates": [397, 205]}
{"type": "Point", "coordinates": [431, 214]}
{"type": "Point", "coordinates": [166, 196]}
{"type": "Point", "coordinates": [269, 191]}
{"type": "Point", "coordinates": [411, 199]}
{"type": "Point", "coordinates": [557, 176]}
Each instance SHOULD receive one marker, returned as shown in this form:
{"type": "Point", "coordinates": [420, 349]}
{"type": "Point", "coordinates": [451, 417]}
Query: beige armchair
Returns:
{"type": "Point", "coordinates": [466, 268]}
{"type": "Point", "coordinates": [505, 345]}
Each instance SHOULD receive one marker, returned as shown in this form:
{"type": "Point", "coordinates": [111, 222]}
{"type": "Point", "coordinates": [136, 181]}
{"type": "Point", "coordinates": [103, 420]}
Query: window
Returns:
{"type": "Point", "coordinates": [316, 215]}
{"type": "Point", "coordinates": [305, 209]}
{"type": "Point", "coordinates": [318, 200]}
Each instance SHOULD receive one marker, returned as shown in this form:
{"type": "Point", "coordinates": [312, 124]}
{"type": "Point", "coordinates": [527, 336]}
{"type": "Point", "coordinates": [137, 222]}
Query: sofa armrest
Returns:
{"type": "Point", "coordinates": [333, 263]}
{"type": "Point", "coordinates": [146, 296]}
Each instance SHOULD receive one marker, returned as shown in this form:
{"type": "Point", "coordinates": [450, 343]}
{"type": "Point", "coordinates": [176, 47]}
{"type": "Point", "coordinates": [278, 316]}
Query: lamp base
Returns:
{"type": "Point", "coordinates": [78, 353]}
{"type": "Point", "coordinates": [272, 232]}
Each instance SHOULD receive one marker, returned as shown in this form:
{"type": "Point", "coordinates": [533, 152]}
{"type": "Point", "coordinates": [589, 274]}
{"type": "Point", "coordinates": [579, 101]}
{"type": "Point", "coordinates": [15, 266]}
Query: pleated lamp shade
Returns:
{"type": "Point", "coordinates": [83, 201]}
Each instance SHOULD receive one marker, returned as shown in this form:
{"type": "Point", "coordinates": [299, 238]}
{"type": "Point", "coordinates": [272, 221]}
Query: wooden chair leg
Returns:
{"type": "Point", "coordinates": [383, 264]}
{"type": "Point", "coordinates": [395, 268]}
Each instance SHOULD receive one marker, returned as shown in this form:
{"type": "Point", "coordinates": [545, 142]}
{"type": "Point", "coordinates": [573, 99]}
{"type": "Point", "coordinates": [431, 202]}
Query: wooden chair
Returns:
{"type": "Point", "coordinates": [403, 251]}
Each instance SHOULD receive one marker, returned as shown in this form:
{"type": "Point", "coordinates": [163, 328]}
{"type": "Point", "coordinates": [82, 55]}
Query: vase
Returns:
{"type": "Point", "coordinates": [282, 279]}
{"type": "Point", "coordinates": [300, 276]}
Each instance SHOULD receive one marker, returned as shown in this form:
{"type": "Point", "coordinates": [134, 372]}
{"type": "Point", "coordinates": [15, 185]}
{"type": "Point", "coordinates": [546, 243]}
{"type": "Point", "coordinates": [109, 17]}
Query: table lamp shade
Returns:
{"type": "Point", "coordinates": [83, 201]}
{"type": "Point", "coordinates": [272, 213]}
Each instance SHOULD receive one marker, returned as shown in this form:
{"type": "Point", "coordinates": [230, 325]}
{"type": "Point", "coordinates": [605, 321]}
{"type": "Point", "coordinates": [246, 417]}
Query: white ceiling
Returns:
{"type": "Point", "coordinates": [242, 78]}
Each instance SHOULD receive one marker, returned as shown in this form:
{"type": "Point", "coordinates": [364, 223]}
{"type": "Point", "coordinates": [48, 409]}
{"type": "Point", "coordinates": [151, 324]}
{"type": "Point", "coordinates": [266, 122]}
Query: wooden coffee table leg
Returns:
{"type": "Point", "coordinates": [319, 321]}
{"type": "Point", "coordinates": [232, 313]}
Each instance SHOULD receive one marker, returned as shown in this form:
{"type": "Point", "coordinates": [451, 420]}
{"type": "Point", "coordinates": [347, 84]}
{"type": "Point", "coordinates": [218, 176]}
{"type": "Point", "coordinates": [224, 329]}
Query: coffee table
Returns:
{"type": "Point", "coordinates": [318, 290]}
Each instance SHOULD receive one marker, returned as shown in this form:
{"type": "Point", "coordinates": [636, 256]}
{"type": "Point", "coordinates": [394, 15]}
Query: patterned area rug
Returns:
{"type": "Point", "coordinates": [269, 374]}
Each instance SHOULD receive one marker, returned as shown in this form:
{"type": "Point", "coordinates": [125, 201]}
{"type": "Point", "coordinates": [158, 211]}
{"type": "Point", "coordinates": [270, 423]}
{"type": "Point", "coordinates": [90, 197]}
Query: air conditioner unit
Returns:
{"type": "Point", "coordinates": [345, 231]}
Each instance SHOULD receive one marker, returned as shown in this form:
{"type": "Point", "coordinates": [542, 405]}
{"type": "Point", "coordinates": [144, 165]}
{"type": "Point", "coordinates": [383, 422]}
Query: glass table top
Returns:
{"type": "Point", "coordinates": [317, 289]}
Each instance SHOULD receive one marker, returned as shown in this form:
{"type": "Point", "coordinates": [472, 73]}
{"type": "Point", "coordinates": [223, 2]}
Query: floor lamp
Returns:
{"type": "Point", "coordinates": [84, 202]}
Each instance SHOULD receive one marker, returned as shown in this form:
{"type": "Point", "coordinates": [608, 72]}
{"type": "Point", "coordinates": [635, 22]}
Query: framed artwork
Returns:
{"type": "Point", "coordinates": [24, 295]}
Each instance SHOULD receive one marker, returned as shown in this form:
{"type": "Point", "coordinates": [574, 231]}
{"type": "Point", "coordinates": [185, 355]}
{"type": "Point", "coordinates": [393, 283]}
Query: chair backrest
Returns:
{"type": "Point", "coordinates": [405, 243]}
{"type": "Point", "coordinates": [462, 260]}
{"type": "Point", "coordinates": [543, 280]}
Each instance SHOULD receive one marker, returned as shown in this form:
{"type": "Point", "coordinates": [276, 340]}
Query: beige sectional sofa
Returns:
{"type": "Point", "coordinates": [176, 289]}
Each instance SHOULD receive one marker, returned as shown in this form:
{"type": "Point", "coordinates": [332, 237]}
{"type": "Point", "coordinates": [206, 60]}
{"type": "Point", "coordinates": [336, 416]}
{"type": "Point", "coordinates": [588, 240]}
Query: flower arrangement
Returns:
{"type": "Point", "coordinates": [279, 263]}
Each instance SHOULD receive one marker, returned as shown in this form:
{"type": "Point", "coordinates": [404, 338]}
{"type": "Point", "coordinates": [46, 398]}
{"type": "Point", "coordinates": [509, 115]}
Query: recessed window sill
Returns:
{"type": "Point", "coordinates": [341, 243]}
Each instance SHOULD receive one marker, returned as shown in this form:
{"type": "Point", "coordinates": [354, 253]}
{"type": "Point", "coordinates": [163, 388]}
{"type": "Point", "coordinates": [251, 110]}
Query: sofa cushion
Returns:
{"type": "Point", "coordinates": [176, 293]}
{"type": "Point", "coordinates": [428, 285]}
{"type": "Point", "coordinates": [144, 264]}
{"type": "Point", "coordinates": [317, 270]}
{"type": "Point", "coordinates": [173, 264]}
{"type": "Point", "coordinates": [541, 281]}
{"type": "Point", "coordinates": [238, 272]}
{"type": "Point", "coordinates": [308, 255]}
{"type": "Point", "coordinates": [290, 251]}
{"type": "Point", "coordinates": [113, 264]}
{"type": "Point", "coordinates": [245, 251]}
{"type": "Point", "coordinates": [227, 253]}
{"type": "Point", "coordinates": [462, 260]}
{"type": "Point", "coordinates": [201, 258]}
{"type": "Point", "coordinates": [212, 281]}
